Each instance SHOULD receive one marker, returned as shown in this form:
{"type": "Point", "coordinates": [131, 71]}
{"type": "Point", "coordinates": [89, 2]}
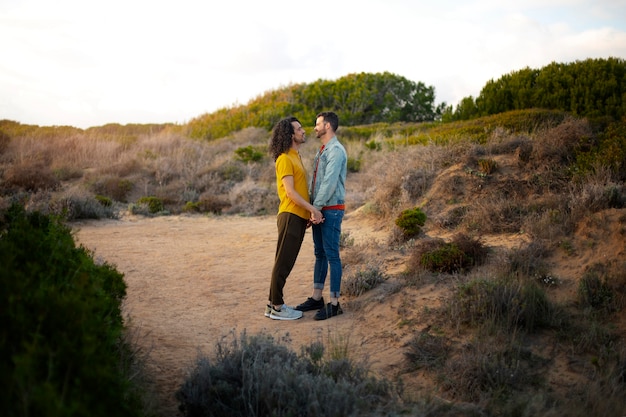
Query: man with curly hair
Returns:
{"type": "Point", "coordinates": [295, 213]}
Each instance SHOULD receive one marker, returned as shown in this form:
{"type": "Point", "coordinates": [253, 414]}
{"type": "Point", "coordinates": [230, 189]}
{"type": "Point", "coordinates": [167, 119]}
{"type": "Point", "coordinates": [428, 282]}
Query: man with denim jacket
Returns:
{"type": "Point", "coordinates": [328, 193]}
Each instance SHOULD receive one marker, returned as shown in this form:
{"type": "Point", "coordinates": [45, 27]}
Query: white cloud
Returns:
{"type": "Point", "coordinates": [86, 64]}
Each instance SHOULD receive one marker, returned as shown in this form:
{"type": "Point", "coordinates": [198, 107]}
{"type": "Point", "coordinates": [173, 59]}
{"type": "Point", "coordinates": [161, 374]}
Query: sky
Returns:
{"type": "Point", "coordinates": [89, 63]}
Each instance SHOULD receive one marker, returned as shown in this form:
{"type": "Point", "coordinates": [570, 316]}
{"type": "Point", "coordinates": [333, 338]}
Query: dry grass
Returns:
{"type": "Point", "coordinates": [509, 316]}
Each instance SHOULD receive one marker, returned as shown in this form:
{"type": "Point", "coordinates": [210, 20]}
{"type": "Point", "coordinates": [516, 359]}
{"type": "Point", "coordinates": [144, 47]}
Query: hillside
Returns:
{"type": "Point", "coordinates": [536, 327]}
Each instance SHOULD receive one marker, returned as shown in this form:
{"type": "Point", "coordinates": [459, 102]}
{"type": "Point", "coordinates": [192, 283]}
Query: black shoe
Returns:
{"type": "Point", "coordinates": [311, 304]}
{"type": "Point", "coordinates": [329, 310]}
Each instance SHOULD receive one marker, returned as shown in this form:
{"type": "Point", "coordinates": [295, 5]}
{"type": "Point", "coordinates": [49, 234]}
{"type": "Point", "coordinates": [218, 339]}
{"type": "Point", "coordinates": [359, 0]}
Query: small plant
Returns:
{"type": "Point", "coordinates": [426, 351]}
{"type": "Point", "coordinates": [487, 166]}
{"type": "Point", "coordinates": [105, 201]}
{"type": "Point", "coordinates": [373, 145]}
{"type": "Point", "coordinates": [249, 154]}
{"type": "Point", "coordinates": [458, 255]}
{"type": "Point", "coordinates": [345, 240]}
{"type": "Point", "coordinates": [354, 165]}
{"type": "Point", "coordinates": [411, 222]}
{"type": "Point", "coordinates": [363, 281]}
{"type": "Point", "coordinates": [154, 204]}
{"type": "Point", "coordinates": [594, 292]}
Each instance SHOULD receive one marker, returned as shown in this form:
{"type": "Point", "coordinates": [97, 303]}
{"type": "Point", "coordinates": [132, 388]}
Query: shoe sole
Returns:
{"type": "Point", "coordinates": [273, 317]}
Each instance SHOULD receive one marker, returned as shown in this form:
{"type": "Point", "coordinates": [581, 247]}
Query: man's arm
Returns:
{"type": "Point", "coordinates": [316, 215]}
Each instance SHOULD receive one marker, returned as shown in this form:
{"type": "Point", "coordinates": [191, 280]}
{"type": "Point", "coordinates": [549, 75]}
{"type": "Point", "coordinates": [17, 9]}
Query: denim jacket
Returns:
{"type": "Point", "coordinates": [328, 182]}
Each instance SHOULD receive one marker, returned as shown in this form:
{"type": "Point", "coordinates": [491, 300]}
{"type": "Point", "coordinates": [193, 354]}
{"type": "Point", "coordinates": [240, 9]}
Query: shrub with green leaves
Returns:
{"type": "Point", "coordinates": [459, 255]}
{"type": "Point", "coordinates": [249, 154]}
{"type": "Point", "coordinates": [154, 204]}
{"type": "Point", "coordinates": [60, 339]}
{"type": "Point", "coordinates": [411, 222]}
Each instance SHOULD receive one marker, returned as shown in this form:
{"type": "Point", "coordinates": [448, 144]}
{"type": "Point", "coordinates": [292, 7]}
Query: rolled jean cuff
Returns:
{"type": "Point", "coordinates": [334, 294]}
{"type": "Point", "coordinates": [318, 286]}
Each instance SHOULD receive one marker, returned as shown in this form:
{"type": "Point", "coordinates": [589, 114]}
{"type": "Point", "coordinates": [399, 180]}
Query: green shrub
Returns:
{"type": "Point", "coordinates": [61, 333]}
{"type": "Point", "coordinates": [487, 166]}
{"type": "Point", "coordinates": [154, 204]}
{"type": "Point", "coordinates": [458, 255]}
{"type": "Point", "coordinates": [411, 222]}
{"type": "Point", "coordinates": [354, 165]}
{"type": "Point", "coordinates": [105, 201]}
{"type": "Point", "coordinates": [249, 154]}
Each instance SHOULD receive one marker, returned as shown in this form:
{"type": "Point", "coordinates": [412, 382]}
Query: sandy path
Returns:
{"type": "Point", "coordinates": [193, 279]}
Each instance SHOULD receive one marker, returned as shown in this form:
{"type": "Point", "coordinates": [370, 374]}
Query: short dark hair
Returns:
{"type": "Point", "coordinates": [330, 117]}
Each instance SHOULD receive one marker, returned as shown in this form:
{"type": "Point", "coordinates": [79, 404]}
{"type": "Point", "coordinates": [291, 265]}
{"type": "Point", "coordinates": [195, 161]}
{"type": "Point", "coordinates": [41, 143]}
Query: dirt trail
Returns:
{"type": "Point", "coordinates": [193, 279]}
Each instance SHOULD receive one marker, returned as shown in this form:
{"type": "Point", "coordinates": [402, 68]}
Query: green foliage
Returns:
{"type": "Point", "coordinates": [105, 201]}
{"type": "Point", "coordinates": [354, 165]}
{"type": "Point", "coordinates": [609, 151]}
{"type": "Point", "coordinates": [358, 99]}
{"type": "Point", "coordinates": [487, 166]}
{"type": "Point", "coordinates": [411, 221]}
{"type": "Point", "coordinates": [447, 258]}
{"type": "Point", "coordinates": [61, 330]}
{"type": "Point", "coordinates": [249, 154]}
{"type": "Point", "coordinates": [591, 88]}
{"type": "Point", "coordinates": [154, 204]}
{"type": "Point", "coordinates": [256, 376]}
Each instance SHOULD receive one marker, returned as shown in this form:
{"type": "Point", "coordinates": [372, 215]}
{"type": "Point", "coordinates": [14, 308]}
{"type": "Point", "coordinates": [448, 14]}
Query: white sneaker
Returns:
{"type": "Point", "coordinates": [285, 313]}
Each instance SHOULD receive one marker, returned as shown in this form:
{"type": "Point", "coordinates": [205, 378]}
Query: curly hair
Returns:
{"type": "Point", "coordinates": [282, 136]}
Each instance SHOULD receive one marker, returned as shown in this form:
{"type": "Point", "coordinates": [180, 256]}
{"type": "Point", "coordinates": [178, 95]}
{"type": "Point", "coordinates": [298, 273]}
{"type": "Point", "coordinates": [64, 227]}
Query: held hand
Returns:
{"type": "Point", "coordinates": [316, 217]}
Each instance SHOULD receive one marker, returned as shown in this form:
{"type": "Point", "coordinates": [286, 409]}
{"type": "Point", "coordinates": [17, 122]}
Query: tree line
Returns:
{"type": "Point", "coordinates": [358, 99]}
{"type": "Point", "coordinates": [593, 88]}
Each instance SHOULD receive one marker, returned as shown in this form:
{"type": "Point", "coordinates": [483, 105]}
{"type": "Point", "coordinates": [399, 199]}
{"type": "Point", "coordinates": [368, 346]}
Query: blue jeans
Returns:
{"type": "Point", "coordinates": [326, 237]}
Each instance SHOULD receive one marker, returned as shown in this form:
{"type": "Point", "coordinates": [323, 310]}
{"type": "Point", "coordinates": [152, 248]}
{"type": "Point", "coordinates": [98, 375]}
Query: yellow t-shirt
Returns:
{"type": "Point", "coordinates": [290, 164]}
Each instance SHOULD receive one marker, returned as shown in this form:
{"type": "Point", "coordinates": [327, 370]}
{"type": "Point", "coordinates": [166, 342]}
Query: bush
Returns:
{"type": "Point", "coordinates": [31, 177]}
{"type": "Point", "coordinates": [458, 255]}
{"type": "Point", "coordinates": [506, 303]}
{"type": "Point", "coordinates": [154, 204]}
{"type": "Point", "coordinates": [249, 154]}
{"type": "Point", "coordinates": [354, 165]}
{"type": "Point", "coordinates": [60, 338]}
{"type": "Point", "coordinates": [254, 376]}
{"type": "Point", "coordinates": [595, 292]}
{"type": "Point", "coordinates": [363, 281]}
{"type": "Point", "coordinates": [77, 206]}
{"type": "Point", "coordinates": [411, 222]}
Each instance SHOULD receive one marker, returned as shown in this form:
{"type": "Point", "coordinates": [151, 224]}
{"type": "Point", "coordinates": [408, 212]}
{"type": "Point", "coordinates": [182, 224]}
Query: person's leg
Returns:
{"type": "Point", "coordinates": [331, 236]}
{"type": "Point", "coordinates": [291, 230]}
{"type": "Point", "coordinates": [320, 270]}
